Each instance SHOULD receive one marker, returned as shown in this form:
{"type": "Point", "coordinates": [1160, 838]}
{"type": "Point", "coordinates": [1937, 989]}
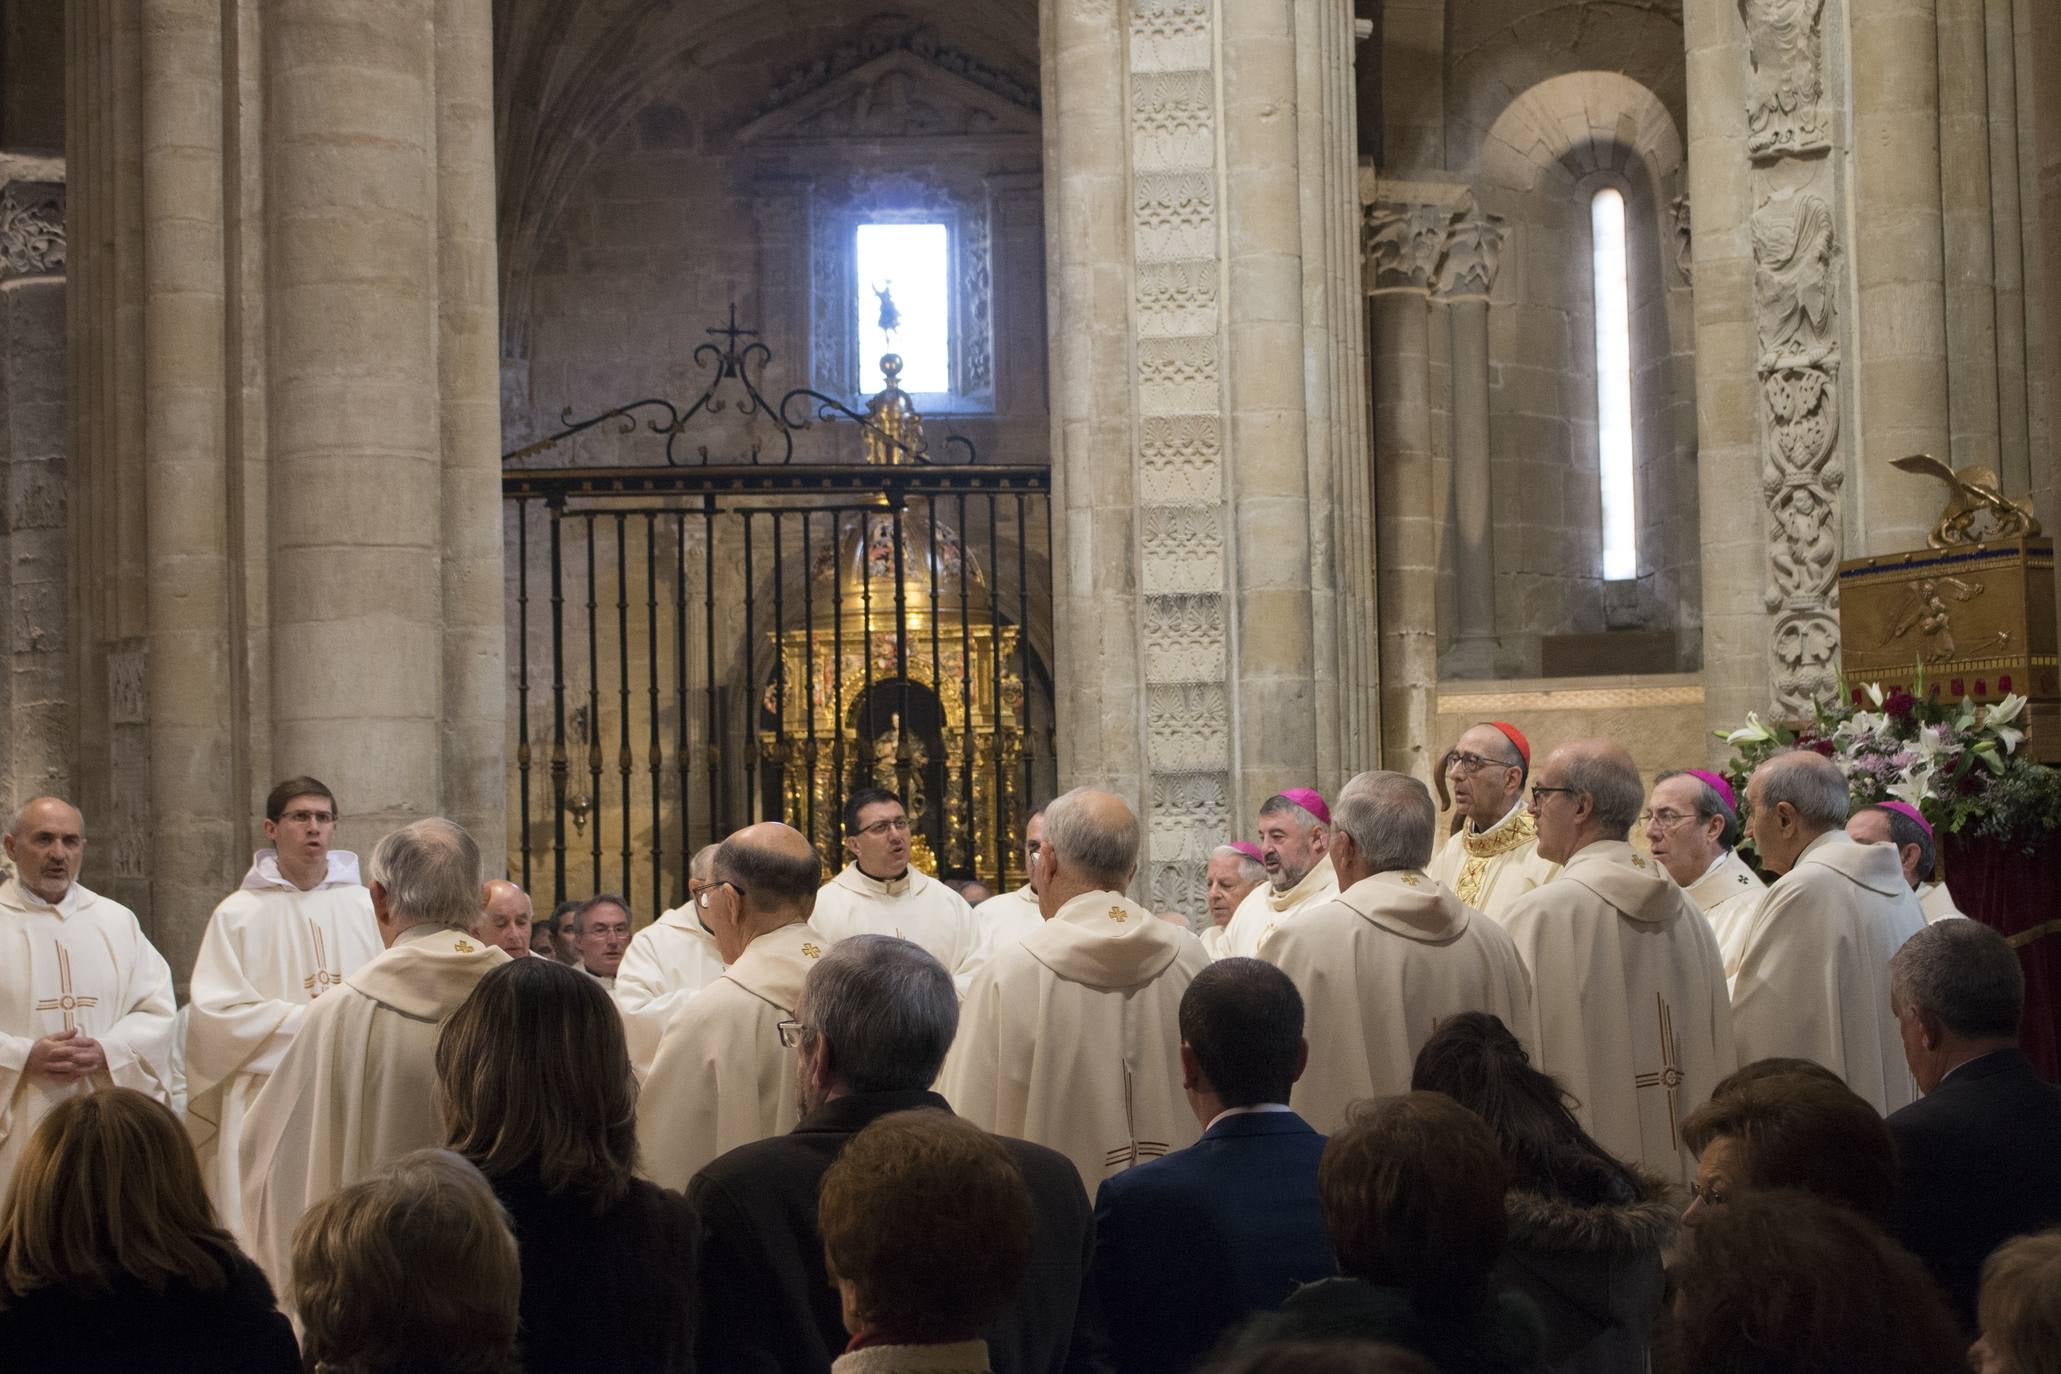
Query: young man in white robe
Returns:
{"type": "Point", "coordinates": [1294, 832]}
{"type": "Point", "coordinates": [85, 999]}
{"type": "Point", "coordinates": [1072, 1039]}
{"type": "Point", "coordinates": [297, 927]}
{"type": "Point", "coordinates": [1904, 827]}
{"type": "Point", "coordinates": [881, 893]}
{"type": "Point", "coordinates": [723, 1075]}
{"type": "Point", "coordinates": [1393, 954]}
{"type": "Point", "coordinates": [667, 962]}
{"type": "Point", "coordinates": [1234, 870]}
{"type": "Point", "coordinates": [1627, 978]}
{"type": "Point", "coordinates": [1493, 858]}
{"type": "Point", "coordinates": [1005, 918]}
{"type": "Point", "coordinates": [1692, 827]}
{"type": "Point", "coordinates": [356, 1089]}
{"type": "Point", "coordinates": [1814, 977]}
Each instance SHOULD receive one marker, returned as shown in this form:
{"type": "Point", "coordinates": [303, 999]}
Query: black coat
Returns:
{"type": "Point", "coordinates": [1593, 1271]}
{"type": "Point", "coordinates": [1235, 1215]}
{"type": "Point", "coordinates": [1502, 1336]}
{"type": "Point", "coordinates": [179, 1331]}
{"type": "Point", "coordinates": [607, 1291]}
{"type": "Point", "coordinates": [1976, 1160]}
{"type": "Point", "coordinates": [768, 1306]}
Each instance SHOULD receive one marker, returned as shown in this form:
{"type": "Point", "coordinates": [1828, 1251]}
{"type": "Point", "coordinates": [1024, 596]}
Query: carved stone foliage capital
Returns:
{"type": "Point", "coordinates": [1401, 243]}
{"type": "Point", "coordinates": [31, 229]}
{"type": "Point", "coordinates": [1467, 259]}
{"type": "Point", "coordinates": [1785, 102]}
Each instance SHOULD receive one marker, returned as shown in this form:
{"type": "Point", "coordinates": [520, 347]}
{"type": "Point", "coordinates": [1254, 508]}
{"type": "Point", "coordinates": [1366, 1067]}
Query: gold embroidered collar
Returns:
{"type": "Point", "coordinates": [1515, 833]}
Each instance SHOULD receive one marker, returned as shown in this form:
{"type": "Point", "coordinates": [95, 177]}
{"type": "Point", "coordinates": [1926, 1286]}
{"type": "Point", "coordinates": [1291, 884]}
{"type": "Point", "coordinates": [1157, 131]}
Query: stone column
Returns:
{"type": "Point", "coordinates": [1466, 271]}
{"type": "Point", "coordinates": [1899, 335]}
{"type": "Point", "coordinates": [1972, 322]}
{"type": "Point", "coordinates": [2045, 56]}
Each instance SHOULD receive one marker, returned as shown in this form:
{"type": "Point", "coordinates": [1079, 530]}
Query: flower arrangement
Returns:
{"type": "Point", "coordinates": [1957, 763]}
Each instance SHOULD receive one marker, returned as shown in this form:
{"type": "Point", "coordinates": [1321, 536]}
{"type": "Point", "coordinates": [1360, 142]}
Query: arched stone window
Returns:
{"type": "Point", "coordinates": [1616, 464]}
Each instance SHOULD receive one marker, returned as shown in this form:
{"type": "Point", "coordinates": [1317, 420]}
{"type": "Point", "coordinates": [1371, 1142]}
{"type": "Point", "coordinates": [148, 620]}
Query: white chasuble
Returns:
{"type": "Point", "coordinates": [913, 907]}
{"type": "Point", "coordinates": [270, 950]}
{"type": "Point", "coordinates": [1379, 967]}
{"type": "Point", "coordinates": [1072, 1039]}
{"type": "Point", "coordinates": [1265, 910]}
{"type": "Point", "coordinates": [1003, 920]}
{"type": "Point", "coordinates": [356, 1089]}
{"type": "Point", "coordinates": [1630, 992]}
{"type": "Point", "coordinates": [1814, 979]}
{"type": "Point", "coordinates": [82, 965]}
{"type": "Point", "coordinates": [1728, 895]}
{"type": "Point", "coordinates": [1938, 904]}
{"type": "Point", "coordinates": [667, 962]}
{"type": "Point", "coordinates": [721, 1077]}
{"type": "Point", "coordinates": [1490, 869]}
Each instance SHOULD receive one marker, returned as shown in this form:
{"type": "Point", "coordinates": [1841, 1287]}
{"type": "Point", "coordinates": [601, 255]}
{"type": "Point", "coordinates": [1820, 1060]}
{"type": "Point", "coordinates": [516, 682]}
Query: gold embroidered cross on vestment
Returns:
{"type": "Point", "coordinates": [66, 1000]}
{"type": "Point", "coordinates": [1484, 850]}
{"type": "Point", "coordinates": [324, 977]}
{"type": "Point", "coordinates": [1669, 1075]}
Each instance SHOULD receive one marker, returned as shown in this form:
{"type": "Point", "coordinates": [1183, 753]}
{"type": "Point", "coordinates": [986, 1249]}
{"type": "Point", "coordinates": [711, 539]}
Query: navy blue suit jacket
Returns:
{"type": "Point", "coordinates": [1188, 1246]}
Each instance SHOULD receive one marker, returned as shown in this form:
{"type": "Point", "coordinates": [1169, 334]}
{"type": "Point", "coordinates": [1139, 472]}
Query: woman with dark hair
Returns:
{"type": "Point", "coordinates": [1412, 1195]}
{"type": "Point", "coordinates": [111, 1257]}
{"type": "Point", "coordinates": [1587, 1232]}
{"type": "Point", "coordinates": [534, 1079]}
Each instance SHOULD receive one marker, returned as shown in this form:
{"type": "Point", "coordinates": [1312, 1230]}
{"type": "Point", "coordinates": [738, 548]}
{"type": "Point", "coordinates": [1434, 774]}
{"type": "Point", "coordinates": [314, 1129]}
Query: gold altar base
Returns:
{"type": "Point", "coordinates": [1978, 619]}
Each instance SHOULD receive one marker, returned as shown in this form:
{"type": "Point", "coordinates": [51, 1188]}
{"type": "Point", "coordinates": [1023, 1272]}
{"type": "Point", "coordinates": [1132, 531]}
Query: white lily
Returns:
{"type": "Point", "coordinates": [1998, 719]}
{"type": "Point", "coordinates": [1861, 724]}
{"type": "Point", "coordinates": [1912, 786]}
{"type": "Point", "coordinates": [1929, 745]}
{"type": "Point", "coordinates": [1752, 732]}
{"type": "Point", "coordinates": [1874, 691]}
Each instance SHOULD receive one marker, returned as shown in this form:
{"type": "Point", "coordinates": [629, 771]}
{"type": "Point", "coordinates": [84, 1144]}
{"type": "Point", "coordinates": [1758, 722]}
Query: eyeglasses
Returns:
{"type": "Point", "coordinates": [309, 817]}
{"type": "Point", "coordinates": [1539, 793]}
{"type": "Point", "coordinates": [1461, 761]}
{"type": "Point", "coordinates": [1708, 1194]}
{"type": "Point", "coordinates": [1666, 820]}
{"type": "Point", "coordinates": [879, 828]}
{"type": "Point", "coordinates": [791, 1033]}
{"type": "Point", "coordinates": [708, 891]}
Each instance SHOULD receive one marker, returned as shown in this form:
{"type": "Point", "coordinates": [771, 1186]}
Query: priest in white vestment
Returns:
{"type": "Point", "coordinates": [504, 918]}
{"type": "Point", "coordinates": [356, 1089]}
{"type": "Point", "coordinates": [1692, 827]}
{"type": "Point", "coordinates": [1392, 955]}
{"type": "Point", "coordinates": [1005, 918]}
{"type": "Point", "coordinates": [881, 893]}
{"type": "Point", "coordinates": [1294, 831]}
{"type": "Point", "coordinates": [1234, 870]}
{"type": "Point", "coordinates": [1814, 978]}
{"type": "Point", "coordinates": [1629, 984]}
{"type": "Point", "coordinates": [667, 962]}
{"type": "Point", "coordinates": [85, 999]}
{"type": "Point", "coordinates": [297, 927]}
{"type": "Point", "coordinates": [723, 1075]}
{"type": "Point", "coordinates": [601, 928]}
{"type": "Point", "coordinates": [1904, 828]}
{"type": "Point", "coordinates": [1072, 1039]}
{"type": "Point", "coordinates": [1493, 858]}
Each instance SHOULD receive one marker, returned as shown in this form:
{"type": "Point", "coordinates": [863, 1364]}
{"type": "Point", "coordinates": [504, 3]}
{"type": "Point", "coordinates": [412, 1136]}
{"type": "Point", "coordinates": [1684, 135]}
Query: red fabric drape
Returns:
{"type": "Point", "coordinates": [2019, 895]}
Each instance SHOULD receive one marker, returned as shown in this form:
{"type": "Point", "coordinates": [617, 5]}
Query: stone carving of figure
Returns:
{"type": "Point", "coordinates": [1793, 281]}
{"type": "Point", "coordinates": [1783, 45]}
{"type": "Point", "coordinates": [1804, 555]}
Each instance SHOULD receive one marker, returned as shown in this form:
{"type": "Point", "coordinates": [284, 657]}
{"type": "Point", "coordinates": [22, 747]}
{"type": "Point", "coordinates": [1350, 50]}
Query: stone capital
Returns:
{"type": "Point", "coordinates": [1400, 244]}
{"type": "Point", "coordinates": [31, 217]}
{"type": "Point", "coordinates": [1468, 258]}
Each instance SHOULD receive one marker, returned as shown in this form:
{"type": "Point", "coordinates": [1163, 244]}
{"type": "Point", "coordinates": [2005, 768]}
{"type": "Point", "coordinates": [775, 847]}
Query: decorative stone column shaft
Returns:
{"type": "Point", "coordinates": [1466, 271]}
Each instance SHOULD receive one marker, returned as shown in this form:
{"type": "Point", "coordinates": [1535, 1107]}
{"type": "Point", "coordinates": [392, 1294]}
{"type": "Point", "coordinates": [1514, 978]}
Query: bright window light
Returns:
{"type": "Point", "coordinates": [910, 266]}
{"type": "Point", "coordinates": [1614, 388]}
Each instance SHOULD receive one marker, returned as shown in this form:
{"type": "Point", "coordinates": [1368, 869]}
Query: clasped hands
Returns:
{"type": "Point", "coordinates": [66, 1056]}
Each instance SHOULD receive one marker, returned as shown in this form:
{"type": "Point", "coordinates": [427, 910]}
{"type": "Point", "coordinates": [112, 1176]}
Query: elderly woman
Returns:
{"type": "Point", "coordinates": [2020, 1308]}
{"type": "Point", "coordinates": [412, 1271]}
{"type": "Point", "coordinates": [1412, 1192]}
{"type": "Point", "coordinates": [1587, 1232]}
{"type": "Point", "coordinates": [1790, 1130]}
{"type": "Point", "coordinates": [554, 1129]}
{"type": "Point", "coordinates": [926, 1227]}
{"type": "Point", "coordinates": [111, 1258]}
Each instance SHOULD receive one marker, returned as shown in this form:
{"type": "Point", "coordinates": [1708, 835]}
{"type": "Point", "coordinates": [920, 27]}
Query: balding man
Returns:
{"type": "Point", "coordinates": [85, 999]}
{"type": "Point", "coordinates": [1294, 832]}
{"type": "Point", "coordinates": [1393, 954]}
{"type": "Point", "coordinates": [722, 1075]}
{"type": "Point", "coordinates": [1813, 978]}
{"type": "Point", "coordinates": [1904, 827]}
{"type": "Point", "coordinates": [667, 962]}
{"type": "Point", "coordinates": [1692, 827]}
{"type": "Point", "coordinates": [504, 918]}
{"type": "Point", "coordinates": [1493, 858]}
{"type": "Point", "coordinates": [1073, 1038]}
{"type": "Point", "coordinates": [356, 1090]}
{"type": "Point", "coordinates": [1234, 871]}
{"type": "Point", "coordinates": [298, 926]}
{"type": "Point", "coordinates": [1628, 980]}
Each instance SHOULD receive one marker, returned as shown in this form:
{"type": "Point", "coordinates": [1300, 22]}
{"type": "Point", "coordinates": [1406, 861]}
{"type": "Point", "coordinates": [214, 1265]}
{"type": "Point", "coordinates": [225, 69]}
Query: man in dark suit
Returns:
{"type": "Point", "coordinates": [1234, 1215]}
{"type": "Point", "coordinates": [870, 1032]}
{"type": "Point", "coordinates": [1977, 1150]}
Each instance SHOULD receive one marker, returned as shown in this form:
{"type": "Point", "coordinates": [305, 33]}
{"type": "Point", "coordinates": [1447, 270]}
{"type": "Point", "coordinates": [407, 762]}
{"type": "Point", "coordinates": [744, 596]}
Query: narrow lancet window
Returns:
{"type": "Point", "coordinates": [1614, 388]}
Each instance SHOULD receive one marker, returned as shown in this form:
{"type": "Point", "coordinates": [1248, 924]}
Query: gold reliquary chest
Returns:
{"type": "Point", "coordinates": [1977, 619]}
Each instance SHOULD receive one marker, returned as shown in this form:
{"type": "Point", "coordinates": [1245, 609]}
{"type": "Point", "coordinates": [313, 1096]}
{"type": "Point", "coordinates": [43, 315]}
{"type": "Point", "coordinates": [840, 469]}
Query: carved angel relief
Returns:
{"type": "Point", "coordinates": [1784, 110]}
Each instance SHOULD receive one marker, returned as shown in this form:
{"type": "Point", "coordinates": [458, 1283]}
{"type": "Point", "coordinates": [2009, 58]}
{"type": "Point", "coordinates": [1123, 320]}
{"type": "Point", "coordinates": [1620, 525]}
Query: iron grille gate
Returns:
{"type": "Point", "coordinates": [701, 646]}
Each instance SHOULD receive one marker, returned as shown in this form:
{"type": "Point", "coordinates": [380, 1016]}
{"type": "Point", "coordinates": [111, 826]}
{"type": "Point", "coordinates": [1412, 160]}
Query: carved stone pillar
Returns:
{"type": "Point", "coordinates": [1466, 271]}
